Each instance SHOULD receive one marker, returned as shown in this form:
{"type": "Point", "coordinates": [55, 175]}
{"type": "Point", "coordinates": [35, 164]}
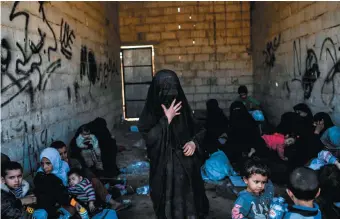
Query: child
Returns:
{"type": "Point", "coordinates": [50, 183]}
{"type": "Point", "coordinates": [90, 150]}
{"type": "Point", "coordinates": [82, 188]}
{"type": "Point", "coordinates": [13, 191]}
{"type": "Point", "coordinates": [278, 142]}
{"type": "Point", "coordinates": [254, 201]}
{"type": "Point", "coordinates": [303, 188]}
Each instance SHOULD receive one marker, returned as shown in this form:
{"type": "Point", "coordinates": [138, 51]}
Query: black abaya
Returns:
{"type": "Point", "coordinates": [176, 186]}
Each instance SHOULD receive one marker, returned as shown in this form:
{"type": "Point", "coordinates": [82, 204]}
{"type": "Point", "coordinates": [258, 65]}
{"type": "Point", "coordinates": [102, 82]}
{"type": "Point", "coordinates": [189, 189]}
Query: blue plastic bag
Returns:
{"type": "Point", "coordinates": [257, 115]}
{"type": "Point", "coordinates": [217, 167]}
{"type": "Point", "coordinates": [106, 213]}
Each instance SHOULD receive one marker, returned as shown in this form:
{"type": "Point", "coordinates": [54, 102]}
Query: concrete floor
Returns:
{"type": "Point", "coordinates": [141, 205]}
{"type": "Point", "coordinates": [220, 208]}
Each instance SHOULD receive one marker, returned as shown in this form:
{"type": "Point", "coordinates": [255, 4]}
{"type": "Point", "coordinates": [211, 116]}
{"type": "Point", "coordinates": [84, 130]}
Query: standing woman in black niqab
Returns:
{"type": "Point", "coordinates": [174, 147]}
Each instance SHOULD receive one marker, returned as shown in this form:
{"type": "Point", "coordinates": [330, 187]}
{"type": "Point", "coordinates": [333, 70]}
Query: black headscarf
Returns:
{"type": "Point", "coordinates": [326, 119]}
{"type": "Point", "coordinates": [165, 87]}
{"type": "Point", "coordinates": [217, 122]}
{"type": "Point", "coordinates": [240, 117]}
{"type": "Point", "coordinates": [304, 108]}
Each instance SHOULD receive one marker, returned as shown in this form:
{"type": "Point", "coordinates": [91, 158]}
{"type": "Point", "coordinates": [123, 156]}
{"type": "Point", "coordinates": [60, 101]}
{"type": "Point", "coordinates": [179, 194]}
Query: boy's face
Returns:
{"type": "Point", "coordinates": [256, 183]}
{"type": "Point", "coordinates": [46, 165]}
{"type": "Point", "coordinates": [74, 179]}
{"type": "Point", "coordinates": [243, 95]}
{"type": "Point", "coordinates": [13, 178]}
{"type": "Point", "coordinates": [63, 153]}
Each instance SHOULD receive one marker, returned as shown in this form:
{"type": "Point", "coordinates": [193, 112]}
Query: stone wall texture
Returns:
{"type": "Point", "coordinates": [296, 56]}
{"type": "Point", "coordinates": [205, 43]}
{"type": "Point", "coordinates": [60, 68]}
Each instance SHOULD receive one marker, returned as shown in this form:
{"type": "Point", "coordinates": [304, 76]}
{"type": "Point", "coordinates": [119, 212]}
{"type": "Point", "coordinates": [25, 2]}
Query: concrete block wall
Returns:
{"type": "Point", "coordinates": [296, 56]}
{"type": "Point", "coordinates": [60, 68]}
{"type": "Point", "coordinates": [205, 43]}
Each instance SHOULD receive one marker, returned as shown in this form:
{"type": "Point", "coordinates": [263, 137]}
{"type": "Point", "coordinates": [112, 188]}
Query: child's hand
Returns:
{"type": "Point", "coordinates": [78, 207]}
{"type": "Point", "coordinates": [189, 148]}
{"type": "Point", "coordinates": [91, 206]}
{"type": "Point", "coordinates": [319, 126]}
{"type": "Point", "coordinates": [30, 199]}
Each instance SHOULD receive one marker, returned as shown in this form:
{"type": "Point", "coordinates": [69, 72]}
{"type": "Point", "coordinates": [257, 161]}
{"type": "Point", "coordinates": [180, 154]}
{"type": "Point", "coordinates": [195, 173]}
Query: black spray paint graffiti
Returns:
{"type": "Point", "coordinates": [66, 39]}
{"type": "Point", "coordinates": [29, 76]}
{"type": "Point", "coordinates": [269, 53]}
{"type": "Point", "coordinates": [328, 49]}
{"type": "Point", "coordinates": [312, 72]}
{"type": "Point", "coordinates": [32, 142]}
{"type": "Point", "coordinates": [88, 67]}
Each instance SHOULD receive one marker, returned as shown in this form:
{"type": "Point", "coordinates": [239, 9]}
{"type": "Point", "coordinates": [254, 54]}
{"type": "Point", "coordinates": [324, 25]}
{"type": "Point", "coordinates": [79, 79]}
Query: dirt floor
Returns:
{"type": "Point", "coordinates": [220, 207]}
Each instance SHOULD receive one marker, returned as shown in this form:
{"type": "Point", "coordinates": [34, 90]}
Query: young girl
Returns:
{"type": "Point", "coordinates": [90, 151]}
{"type": "Point", "coordinates": [50, 183]}
{"type": "Point", "coordinates": [253, 203]}
{"type": "Point", "coordinates": [278, 142]}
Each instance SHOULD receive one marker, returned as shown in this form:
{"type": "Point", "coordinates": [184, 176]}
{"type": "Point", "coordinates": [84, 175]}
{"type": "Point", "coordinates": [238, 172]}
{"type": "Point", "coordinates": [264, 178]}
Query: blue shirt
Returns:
{"type": "Point", "coordinates": [251, 206]}
{"type": "Point", "coordinates": [302, 212]}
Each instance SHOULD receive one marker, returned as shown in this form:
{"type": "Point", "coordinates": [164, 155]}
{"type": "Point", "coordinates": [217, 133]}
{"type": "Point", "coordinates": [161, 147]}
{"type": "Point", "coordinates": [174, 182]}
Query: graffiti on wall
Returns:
{"type": "Point", "coordinates": [31, 142]}
{"type": "Point", "coordinates": [269, 52]}
{"type": "Point", "coordinates": [329, 50]}
{"type": "Point", "coordinates": [308, 76]}
{"type": "Point", "coordinates": [66, 39]}
{"type": "Point", "coordinates": [102, 73]}
{"type": "Point", "coordinates": [30, 73]}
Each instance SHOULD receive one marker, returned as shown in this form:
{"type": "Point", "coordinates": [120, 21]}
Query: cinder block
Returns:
{"type": "Point", "coordinates": [171, 58]}
{"type": "Point", "coordinates": [152, 37]}
{"type": "Point", "coordinates": [224, 49]}
{"type": "Point", "coordinates": [198, 34]}
{"type": "Point", "coordinates": [169, 35]}
{"type": "Point", "coordinates": [142, 28]}
{"type": "Point", "coordinates": [157, 28]}
{"type": "Point", "coordinates": [204, 73]}
{"type": "Point", "coordinates": [201, 57]}
{"type": "Point", "coordinates": [194, 50]}
{"type": "Point", "coordinates": [227, 65]}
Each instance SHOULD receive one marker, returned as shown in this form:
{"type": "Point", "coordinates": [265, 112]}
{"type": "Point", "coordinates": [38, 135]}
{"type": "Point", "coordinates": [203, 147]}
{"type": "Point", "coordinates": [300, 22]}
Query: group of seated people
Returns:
{"type": "Point", "coordinates": [301, 147]}
{"type": "Point", "coordinates": [65, 186]}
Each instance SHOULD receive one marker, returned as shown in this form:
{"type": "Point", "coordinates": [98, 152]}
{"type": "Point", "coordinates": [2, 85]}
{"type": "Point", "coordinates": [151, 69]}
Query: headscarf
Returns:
{"type": "Point", "coordinates": [217, 121]}
{"type": "Point", "coordinates": [240, 117]}
{"type": "Point", "coordinates": [60, 167]}
{"type": "Point", "coordinates": [304, 108]}
{"type": "Point", "coordinates": [326, 119]}
{"type": "Point", "coordinates": [164, 88]}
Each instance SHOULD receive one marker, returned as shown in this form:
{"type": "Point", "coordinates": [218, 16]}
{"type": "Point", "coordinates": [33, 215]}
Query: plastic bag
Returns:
{"type": "Point", "coordinates": [257, 115]}
{"type": "Point", "coordinates": [106, 213]}
{"type": "Point", "coordinates": [138, 167]}
{"type": "Point", "coordinates": [217, 167]}
{"type": "Point", "coordinates": [144, 190]}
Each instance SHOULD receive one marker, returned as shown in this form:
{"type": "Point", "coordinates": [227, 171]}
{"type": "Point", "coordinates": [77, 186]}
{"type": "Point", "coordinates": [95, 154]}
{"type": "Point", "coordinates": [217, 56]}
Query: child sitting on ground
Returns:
{"type": "Point", "coordinates": [278, 142]}
{"type": "Point", "coordinates": [303, 188]}
{"type": "Point", "coordinates": [331, 152]}
{"type": "Point", "coordinates": [254, 201]}
{"type": "Point", "coordinates": [82, 189]}
{"type": "Point", "coordinates": [90, 151]}
{"type": "Point", "coordinates": [14, 191]}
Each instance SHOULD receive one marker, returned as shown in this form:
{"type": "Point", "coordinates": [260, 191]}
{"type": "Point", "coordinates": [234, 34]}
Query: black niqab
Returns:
{"type": "Point", "coordinates": [177, 188]}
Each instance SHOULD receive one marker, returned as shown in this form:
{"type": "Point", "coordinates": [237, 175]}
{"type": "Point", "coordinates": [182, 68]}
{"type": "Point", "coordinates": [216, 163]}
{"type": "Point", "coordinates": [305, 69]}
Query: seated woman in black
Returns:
{"type": "Point", "coordinates": [217, 124]}
{"type": "Point", "coordinates": [50, 183]}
